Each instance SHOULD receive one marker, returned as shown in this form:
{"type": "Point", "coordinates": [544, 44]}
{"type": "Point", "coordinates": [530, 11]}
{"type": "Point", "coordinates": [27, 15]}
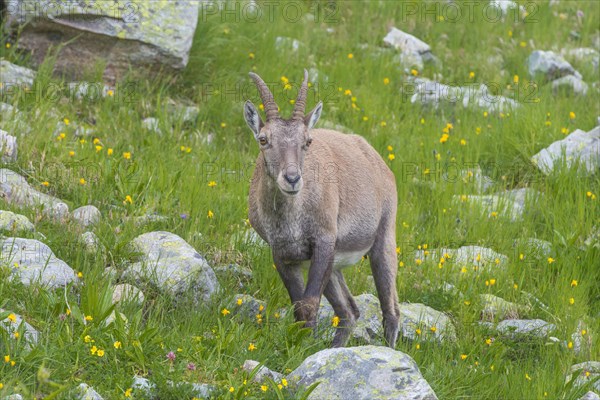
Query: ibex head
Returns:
{"type": "Point", "coordinates": [283, 143]}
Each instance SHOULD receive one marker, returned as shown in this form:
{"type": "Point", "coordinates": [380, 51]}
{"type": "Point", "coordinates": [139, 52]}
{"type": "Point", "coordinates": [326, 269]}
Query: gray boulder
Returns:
{"type": "Point", "coordinates": [368, 326]}
{"type": "Point", "coordinates": [14, 78]}
{"type": "Point", "coordinates": [171, 264]}
{"type": "Point", "coordinates": [262, 373]}
{"type": "Point", "coordinates": [90, 242]}
{"type": "Point", "coordinates": [485, 259]}
{"type": "Point", "coordinates": [584, 55]}
{"type": "Point", "coordinates": [432, 323]}
{"type": "Point", "coordinates": [536, 248]}
{"type": "Point", "coordinates": [578, 147]}
{"type": "Point", "coordinates": [185, 112]}
{"type": "Point", "coordinates": [510, 204]}
{"type": "Point", "coordinates": [12, 222]}
{"type": "Point", "coordinates": [86, 392]}
{"type": "Point", "coordinates": [125, 293]}
{"type": "Point", "coordinates": [550, 65]}
{"type": "Point", "coordinates": [414, 52]}
{"type": "Point", "coordinates": [590, 396]}
{"type": "Point", "coordinates": [15, 189]}
{"type": "Point", "coordinates": [90, 91]}
{"type": "Point", "coordinates": [86, 215]}
{"type": "Point", "coordinates": [140, 34]}
{"type": "Point", "coordinates": [247, 306]}
{"type": "Point", "coordinates": [571, 84]}
{"type": "Point", "coordinates": [516, 328]}
{"type": "Point", "coordinates": [152, 125]}
{"type": "Point", "coordinates": [482, 98]}
{"type": "Point", "coordinates": [8, 147]}
{"type": "Point", "coordinates": [496, 308]}
{"type": "Point", "coordinates": [362, 373]}
{"type": "Point", "coordinates": [30, 334]}
{"type": "Point", "coordinates": [31, 261]}
{"type": "Point", "coordinates": [585, 372]}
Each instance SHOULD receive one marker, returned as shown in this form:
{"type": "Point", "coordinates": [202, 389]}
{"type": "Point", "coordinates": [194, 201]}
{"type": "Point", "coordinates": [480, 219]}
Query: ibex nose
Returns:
{"type": "Point", "coordinates": [292, 179]}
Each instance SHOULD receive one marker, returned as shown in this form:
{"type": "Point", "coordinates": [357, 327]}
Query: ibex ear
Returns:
{"type": "Point", "coordinates": [311, 119]}
{"type": "Point", "coordinates": [252, 118]}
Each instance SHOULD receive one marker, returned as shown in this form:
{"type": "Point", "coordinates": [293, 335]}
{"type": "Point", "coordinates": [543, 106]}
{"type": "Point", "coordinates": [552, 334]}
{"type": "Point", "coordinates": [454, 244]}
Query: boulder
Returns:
{"type": "Point", "coordinates": [12, 222]}
{"type": "Point", "coordinates": [550, 65]}
{"type": "Point", "coordinates": [578, 147]}
{"type": "Point", "coordinates": [8, 147]}
{"type": "Point", "coordinates": [432, 324]}
{"type": "Point", "coordinates": [586, 372]}
{"type": "Point", "coordinates": [127, 293]}
{"type": "Point", "coordinates": [32, 261]}
{"type": "Point", "coordinates": [14, 78]}
{"type": "Point", "coordinates": [362, 373]}
{"type": "Point", "coordinates": [86, 392]}
{"type": "Point", "coordinates": [262, 373]}
{"type": "Point", "coordinates": [247, 306]}
{"type": "Point", "coordinates": [86, 215]}
{"type": "Point", "coordinates": [571, 84]}
{"type": "Point", "coordinates": [485, 259]}
{"type": "Point", "coordinates": [15, 189]}
{"type": "Point", "coordinates": [496, 308]}
{"type": "Point", "coordinates": [90, 242]}
{"type": "Point", "coordinates": [584, 55]}
{"type": "Point", "coordinates": [368, 326]}
{"type": "Point", "coordinates": [518, 328]}
{"type": "Point", "coordinates": [510, 204]}
{"type": "Point", "coordinates": [590, 396]}
{"type": "Point", "coordinates": [414, 52]}
{"type": "Point", "coordinates": [30, 334]}
{"type": "Point", "coordinates": [171, 264]}
{"type": "Point", "coordinates": [138, 34]}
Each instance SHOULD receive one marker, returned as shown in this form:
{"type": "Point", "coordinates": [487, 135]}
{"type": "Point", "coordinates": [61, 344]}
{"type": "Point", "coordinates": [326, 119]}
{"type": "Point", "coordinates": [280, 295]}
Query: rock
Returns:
{"type": "Point", "coordinates": [86, 215]}
{"type": "Point", "coordinates": [593, 240]}
{"type": "Point", "coordinates": [550, 65]}
{"type": "Point", "coordinates": [170, 263]}
{"type": "Point", "coordinates": [585, 372]}
{"type": "Point", "coordinates": [361, 373]}
{"type": "Point", "coordinates": [509, 204]}
{"type": "Point", "coordinates": [86, 392]}
{"type": "Point", "coordinates": [125, 293]}
{"type": "Point", "coordinates": [14, 189]}
{"type": "Point", "coordinates": [149, 219]}
{"type": "Point", "coordinates": [30, 334]}
{"type": "Point", "coordinates": [369, 324]}
{"type": "Point", "coordinates": [262, 373]}
{"type": "Point", "coordinates": [570, 83]}
{"type": "Point", "coordinates": [484, 99]}
{"type": "Point", "coordinates": [155, 35]}
{"type": "Point", "coordinates": [91, 242]}
{"type": "Point", "coordinates": [12, 222]}
{"type": "Point", "coordinates": [506, 6]}
{"type": "Point", "coordinates": [405, 42]}
{"type": "Point", "coordinates": [590, 396]}
{"type": "Point", "coordinates": [286, 45]}
{"type": "Point", "coordinates": [483, 258]}
{"type": "Point", "coordinates": [14, 397]}
{"type": "Point", "coordinates": [247, 306]}
{"type": "Point", "coordinates": [432, 93]}
{"type": "Point", "coordinates": [585, 55]}
{"type": "Point", "coordinates": [32, 261]}
{"type": "Point", "coordinates": [14, 78]}
{"type": "Point", "coordinates": [8, 147]}
{"type": "Point", "coordinates": [186, 112]}
{"type": "Point", "coordinates": [201, 390]}
{"type": "Point", "coordinates": [143, 385]}
{"type": "Point", "coordinates": [90, 91]}
{"type": "Point", "coordinates": [525, 328]}
{"type": "Point", "coordinates": [578, 147]}
{"type": "Point", "coordinates": [536, 248]}
{"type": "Point", "coordinates": [496, 308]}
{"type": "Point", "coordinates": [581, 341]}
{"type": "Point", "coordinates": [152, 125]}
{"type": "Point", "coordinates": [415, 316]}
{"type": "Point", "coordinates": [11, 119]}
{"type": "Point", "coordinates": [241, 273]}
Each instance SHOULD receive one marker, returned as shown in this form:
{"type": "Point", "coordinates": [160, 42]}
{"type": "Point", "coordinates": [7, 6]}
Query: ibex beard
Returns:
{"type": "Point", "coordinates": [326, 223]}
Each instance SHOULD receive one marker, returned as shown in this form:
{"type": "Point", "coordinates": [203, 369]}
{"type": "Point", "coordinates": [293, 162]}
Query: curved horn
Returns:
{"type": "Point", "coordinates": [266, 96]}
{"type": "Point", "coordinates": [301, 100]}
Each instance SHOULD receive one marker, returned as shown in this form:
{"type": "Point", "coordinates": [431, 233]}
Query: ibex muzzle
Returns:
{"type": "Point", "coordinates": [328, 222]}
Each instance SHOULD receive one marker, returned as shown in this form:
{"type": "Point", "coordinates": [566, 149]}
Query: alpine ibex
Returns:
{"type": "Point", "coordinates": [330, 221]}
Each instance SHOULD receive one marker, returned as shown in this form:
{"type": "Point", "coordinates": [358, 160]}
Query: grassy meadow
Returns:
{"type": "Point", "coordinates": [197, 175]}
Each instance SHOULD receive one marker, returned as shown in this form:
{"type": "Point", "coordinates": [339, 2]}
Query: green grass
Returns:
{"type": "Point", "coordinates": [161, 178]}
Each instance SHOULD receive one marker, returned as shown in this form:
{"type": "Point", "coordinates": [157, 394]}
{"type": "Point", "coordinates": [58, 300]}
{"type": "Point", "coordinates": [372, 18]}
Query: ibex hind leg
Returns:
{"type": "Point", "coordinates": [384, 265]}
{"type": "Point", "coordinates": [340, 298]}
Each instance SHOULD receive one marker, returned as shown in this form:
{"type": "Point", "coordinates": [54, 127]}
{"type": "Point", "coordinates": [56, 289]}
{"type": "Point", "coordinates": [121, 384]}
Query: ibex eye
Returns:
{"type": "Point", "coordinates": [263, 141]}
{"type": "Point", "coordinates": [308, 142]}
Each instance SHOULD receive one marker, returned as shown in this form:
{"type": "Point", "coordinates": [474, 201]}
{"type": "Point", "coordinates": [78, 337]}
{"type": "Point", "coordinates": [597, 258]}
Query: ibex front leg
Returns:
{"type": "Point", "coordinates": [319, 273]}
